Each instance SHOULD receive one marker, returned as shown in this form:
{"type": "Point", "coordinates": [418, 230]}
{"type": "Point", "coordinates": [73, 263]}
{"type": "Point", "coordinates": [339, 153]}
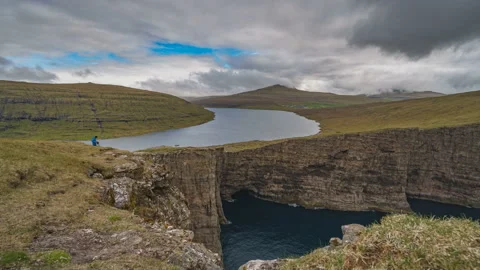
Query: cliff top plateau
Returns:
{"type": "Point", "coordinates": [79, 111]}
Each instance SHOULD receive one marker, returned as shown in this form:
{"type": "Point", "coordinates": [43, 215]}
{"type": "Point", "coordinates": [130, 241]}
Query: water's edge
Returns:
{"type": "Point", "coordinates": [267, 230]}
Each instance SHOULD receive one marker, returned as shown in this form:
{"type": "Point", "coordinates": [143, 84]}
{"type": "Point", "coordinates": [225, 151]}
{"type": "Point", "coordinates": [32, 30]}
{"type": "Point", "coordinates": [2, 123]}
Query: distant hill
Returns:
{"type": "Point", "coordinates": [282, 98]}
{"type": "Point", "coordinates": [79, 111]}
{"type": "Point", "coordinates": [397, 94]}
{"type": "Point", "coordinates": [449, 110]}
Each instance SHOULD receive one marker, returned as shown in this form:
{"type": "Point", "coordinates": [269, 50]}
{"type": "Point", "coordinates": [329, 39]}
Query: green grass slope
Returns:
{"type": "Point", "coordinates": [79, 111]}
{"type": "Point", "coordinates": [451, 110]}
{"type": "Point", "coordinates": [279, 97]}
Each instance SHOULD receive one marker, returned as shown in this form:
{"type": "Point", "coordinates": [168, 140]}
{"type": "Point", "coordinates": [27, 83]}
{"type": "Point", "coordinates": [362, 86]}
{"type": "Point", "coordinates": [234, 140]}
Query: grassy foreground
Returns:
{"type": "Point", "coordinates": [451, 110]}
{"type": "Point", "coordinates": [403, 242]}
{"type": "Point", "coordinates": [44, 185]}
{"type": "Point", "coordinates": [79, 111]}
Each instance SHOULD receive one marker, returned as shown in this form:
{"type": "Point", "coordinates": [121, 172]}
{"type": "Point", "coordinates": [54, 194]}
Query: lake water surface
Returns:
{"type": "Point", "coordinates": [267, 230]}
{"type": "Point", "coordinates": [229, 126]}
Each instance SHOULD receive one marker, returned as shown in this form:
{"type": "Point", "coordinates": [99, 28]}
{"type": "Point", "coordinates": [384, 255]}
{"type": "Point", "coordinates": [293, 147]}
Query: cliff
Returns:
{"type": "Point", "coordinates": [365, 171]}
{"type": "Point", "coordinates": [180, 191]}
{"type": "Point", "coordinates": [360, 172]}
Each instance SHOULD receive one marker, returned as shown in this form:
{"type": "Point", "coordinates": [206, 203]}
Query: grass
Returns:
{"type": "Point", "coordinates": [406, 242]}
{"type": "Point", "coordinates": [56, 257]}
{"type": "Point", "coordinates": [79, 111]}
{"type": "Point", "coordinates": [451, 110]}
{"type": "Point", "coordinates": [12, 258]}
{"type": "Point", "coordinates": [45, 184]}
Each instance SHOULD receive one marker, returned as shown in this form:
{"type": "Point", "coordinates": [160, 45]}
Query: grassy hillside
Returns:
{"type": "Point", "coordinates": [279, 97]}
{"type": "Point", "coordinates": [403, 242]}
{"type": "Point", "coordinates": [44, 189]}
{"type": "Point", "coordinates": [79, 111]}
{"type": "Point", "coordinates": [451, 110]}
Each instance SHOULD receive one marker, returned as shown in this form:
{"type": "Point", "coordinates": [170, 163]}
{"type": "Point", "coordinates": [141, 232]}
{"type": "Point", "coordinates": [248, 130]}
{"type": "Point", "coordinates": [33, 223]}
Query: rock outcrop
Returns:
{"type": "Point", "coordinates": [173, 246]}
{"type": "Point", "coordinates": [180, 189]}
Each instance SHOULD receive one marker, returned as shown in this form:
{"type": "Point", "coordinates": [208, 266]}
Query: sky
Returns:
{"type": "Point", "coordinates": [220, 47]}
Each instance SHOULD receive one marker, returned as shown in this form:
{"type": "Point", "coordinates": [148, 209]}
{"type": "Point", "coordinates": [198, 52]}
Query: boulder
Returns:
{"type": "Point", "coordinates": [351, 232]}
{"type": "Point", "coordinates": [263, 264]}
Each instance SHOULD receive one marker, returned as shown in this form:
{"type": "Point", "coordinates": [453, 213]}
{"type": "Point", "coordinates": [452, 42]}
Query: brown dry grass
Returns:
{"type": "Point", "coordinates": [404, 242]}
{"type": "Point", "coordinates": [44, 185]}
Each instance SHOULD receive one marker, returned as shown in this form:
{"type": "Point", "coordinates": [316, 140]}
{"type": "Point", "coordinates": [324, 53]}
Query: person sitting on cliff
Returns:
{"type": "Point", "coordinates": [95, 142]}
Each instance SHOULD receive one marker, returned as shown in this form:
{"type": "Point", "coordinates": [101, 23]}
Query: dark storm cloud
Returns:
{"type": "Point", "coordinates": [417, 27]}
{"type": "Point", "coordinates": [319, 45]}
{"type": "Point", "coordinates": [10, 71]}
{"type": "Point", "coordinates": [84, 73]}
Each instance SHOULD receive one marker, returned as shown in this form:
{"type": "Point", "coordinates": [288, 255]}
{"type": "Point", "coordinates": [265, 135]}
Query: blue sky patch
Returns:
{"type": "Point", "coordinates": [173, 48]}
{"type": "Point", "coordinates": [71, 59]}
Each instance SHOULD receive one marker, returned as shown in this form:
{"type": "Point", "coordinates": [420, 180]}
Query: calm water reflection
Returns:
{"type": "Point", "coordinates": [229, 126]}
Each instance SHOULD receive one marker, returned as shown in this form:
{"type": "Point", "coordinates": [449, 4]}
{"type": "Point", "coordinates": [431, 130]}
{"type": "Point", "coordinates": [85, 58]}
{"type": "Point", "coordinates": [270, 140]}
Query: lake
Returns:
{"type": "Point", "coordinates": [229, 126]}
{"type": "Point", "coordinates": [267, 230]}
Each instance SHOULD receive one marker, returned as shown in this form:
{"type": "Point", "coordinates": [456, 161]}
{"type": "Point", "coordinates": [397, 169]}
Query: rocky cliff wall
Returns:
{"type": "Point", "coordinates": [367, 171]}
{"type": "Point", "coordinates": [194, 173]}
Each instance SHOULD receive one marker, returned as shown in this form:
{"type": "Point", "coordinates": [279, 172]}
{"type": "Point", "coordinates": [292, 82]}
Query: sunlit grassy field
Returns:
{"type": "Point", "coordinates": [451, 110]}
{"type": "Point", "coordinates": [79, 111]}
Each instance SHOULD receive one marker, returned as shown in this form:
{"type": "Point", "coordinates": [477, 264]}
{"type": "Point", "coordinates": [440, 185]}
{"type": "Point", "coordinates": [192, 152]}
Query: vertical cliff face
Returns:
{"type": "Point", "coordinates": [367, 171]}
{"type": "Point", "coordinates": [444, 166]}
{"type": "Point", "coordinates": [194, 173]}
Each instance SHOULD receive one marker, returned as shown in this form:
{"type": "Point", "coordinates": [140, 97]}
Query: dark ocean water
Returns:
{"type": "Point", "coordinates": [267, 230]}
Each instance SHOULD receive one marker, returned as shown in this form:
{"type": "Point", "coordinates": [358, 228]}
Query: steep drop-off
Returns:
{"type": "Point", "coordinates": [366, 171]}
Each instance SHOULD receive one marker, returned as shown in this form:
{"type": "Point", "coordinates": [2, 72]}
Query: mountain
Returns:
{"type": "Point", "coordinates": [79, 111]}
{"type": "Point", "coordinates": [282, 98]}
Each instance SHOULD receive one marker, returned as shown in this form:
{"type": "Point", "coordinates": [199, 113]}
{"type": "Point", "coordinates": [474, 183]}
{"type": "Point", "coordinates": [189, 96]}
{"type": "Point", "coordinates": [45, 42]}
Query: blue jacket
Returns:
{"type": "Point", "coordinates": [94, 141]}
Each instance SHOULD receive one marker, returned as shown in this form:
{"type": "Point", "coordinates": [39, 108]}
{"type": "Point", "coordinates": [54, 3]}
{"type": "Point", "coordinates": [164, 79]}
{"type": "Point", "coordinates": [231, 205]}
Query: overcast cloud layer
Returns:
{"type": "Point", "coordinates": [192, 48]}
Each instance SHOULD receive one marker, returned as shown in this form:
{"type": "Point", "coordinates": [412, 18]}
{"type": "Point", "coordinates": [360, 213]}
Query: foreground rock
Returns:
{"type": "Point", "coordinates": [263, 265]}
{"type": "Point", "coordinates": [174, 246]}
